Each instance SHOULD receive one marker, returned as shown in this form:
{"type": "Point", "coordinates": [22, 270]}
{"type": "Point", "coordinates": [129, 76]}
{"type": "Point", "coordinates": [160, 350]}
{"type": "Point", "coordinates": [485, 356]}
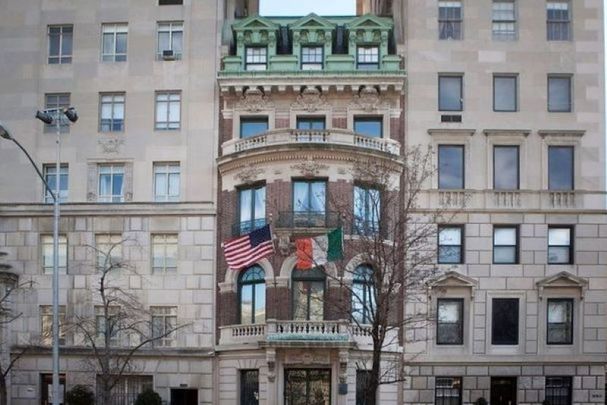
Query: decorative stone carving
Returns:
{"type": "Point", "coordinates": [91, 197]}
{"type": "Point", "coordinates": [249, 174]}
{"type": "Point", "coordinates": [271, 360]}
{"type": "Point", "coordinates": [310, 99]}
{"type": "Point", "coordinates": [110, 145]}
{"type": "Point", "coordinates": [309, 168]}
{"type": "Point", "coordinates": [254, 100]}
{"type": "Point", "coordinates": [284, 245]}
{"type": "Point", "coordinates": [308, 357]}
{"type": "Point", "coordinates": [369, 100]}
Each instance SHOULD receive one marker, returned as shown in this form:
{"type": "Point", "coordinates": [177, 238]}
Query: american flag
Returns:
{"type": "Point", "coordinates": [248, 249]}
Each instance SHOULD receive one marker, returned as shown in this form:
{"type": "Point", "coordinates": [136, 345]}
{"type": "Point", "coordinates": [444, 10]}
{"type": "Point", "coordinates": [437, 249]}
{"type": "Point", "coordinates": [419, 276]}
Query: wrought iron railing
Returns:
{"type": "Point", "coordinates": [244, 227]}
{"type": "Point", "coordinates": [308, 219]}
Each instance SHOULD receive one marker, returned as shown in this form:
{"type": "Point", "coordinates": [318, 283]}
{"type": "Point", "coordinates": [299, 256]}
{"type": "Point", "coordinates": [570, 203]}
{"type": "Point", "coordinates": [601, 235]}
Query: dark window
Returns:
{"type": "Point", "coordinates": [367, 210]}
{"type": "Point", "coordinates": [249, 387]}
{"type": "Point", "coordinates": [169, 2]}
{"type": "Point", "coordinates": [127, 388]}
{"type": "Point", "coordinates": [450, 244]}
{"type": "Point", "coordinates": [252, 295]}
{"type": "Point", "coordinates": [363, 295]}
{"type": "Point", "coordinates": [369, 126]}
{"type": "Point", "coordinates": [367, 57]}
{"type": "Point", "coordinates": [503, 391]}
{"type": "Point", "coordinates": [305, 386]}
{"type": "Point", "coordinates": [362, 381]}
{"type": "Point", "coordinates": [60, 44]}
{"type": "Point", "coordinates": [450, 321]}
{"type": "Point", "coordinates": [560, 168]}
{"type": "Point", "coordinates": [308, 294]}
{"type": "Point", "coordinates": [505, 93]}
{"type": "Point", "coordinates": [505, 245]}
{"type": "Point", "coordinates": [450, 93]}
{"type": "Point", "coordinates": [451, 167]}
{"type": "Point", "coordinates": [505, 167]}
{"type": "Point", "coordinates": [252, 207]}
{"type": "Point", "coordinates": [504, 20]}
{"type": "Point", "coordinates": [448, 391]}
{"type": "Point", "coordinates": [559, 93]}
{"type": "Point", "coordinates": [560, 321]}
{"type": "Point", "coordinates": [504, 321]}
{"type": "Point", "coordinates": [256, 58]}
{"type": "Point", "coordinates": [560, 246]}
{"type": "Point", "coordinates": [311, 58]}
{"type": "Point", "coordinates": [310, 122]}
{"type": "Point", "coordinates": [46, 388]}
{"type": "Point", "coordinates": [450, 20]}
{"type": "Point", "coordinates": [558, 390]}
{"type": "Point", "coordinates": [558, 21]}
{"type": "Point", "coordinates": [56, 101]}
{"type": "Point", "coordinates": [252, 126]}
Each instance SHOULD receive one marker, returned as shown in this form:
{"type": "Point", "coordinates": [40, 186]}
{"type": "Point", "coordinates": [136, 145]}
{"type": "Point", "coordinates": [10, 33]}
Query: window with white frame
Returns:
{"type": "Point", "coordinates": [166, 182]}
{"type": "Point", "coordinates": [60, 44]}
{"type": "Point", "coordinates": [505, 244]}
{"type": "Point", "coordinates": [558, 21]}
{"type": "Point", "coordinates": [559, 321]}
{"type": "Point", "coordinates": [164, 322]}
{"type": "Point", "coordinates": [170, 40]}
{"type": "Point", "coordinates": [114, 42]}
{"type": "Point", "coordinates": [256, 58]}
{"type": "Point", "coordinates": [50, 176]}
{"type": "Point", "coordinates": [111, 183]}
{"type": "Point", "coordinates": [168, 110]}
{"type": "Point", "coordinates": [450, 321]}
{"type": "Point", "coordinates": [504, 20]}
{"type": "Point", "coordinates": [311, 57]}
{"type": "Point", "coordinates": [367, 57]}
{"type": "Point", "coordinates": [109, 250]}
{"type": "Point", "coordinates": [164, 253]}
{"type": "Point", "coordinates": [367, 210]}
{"type": "Point", "coordinates": [450, 244]}
{"type": "Point", "coordinates": [57, 101]}
{"type": "Point", "coordinates": [46, 241]}
{"type": "Point", "coordinates": [107, 324]}
{"type": "Point", "coordinates": [450, 20]}
{"type": "Point", "coordinates": [46, 325]}
{"type": "Point", "coordinates": [111, 112]}
{"type": "Point", "coordinates": [560, 244]}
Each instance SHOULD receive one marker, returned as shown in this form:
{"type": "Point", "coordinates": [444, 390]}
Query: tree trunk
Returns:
{"type": "Point", "coordinates": [106, 394]}
{"type": "Point", "coordinates": [3, 393]}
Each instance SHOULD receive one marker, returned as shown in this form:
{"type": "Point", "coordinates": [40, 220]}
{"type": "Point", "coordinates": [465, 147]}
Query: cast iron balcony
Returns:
{"type": "Point", "coordinates": [244, 227]}
{"type": "Point", "coordinates": [308, 219]}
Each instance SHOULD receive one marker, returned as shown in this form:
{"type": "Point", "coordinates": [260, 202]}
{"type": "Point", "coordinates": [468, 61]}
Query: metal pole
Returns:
{"type": "Point", "coordinates": [56, 214]}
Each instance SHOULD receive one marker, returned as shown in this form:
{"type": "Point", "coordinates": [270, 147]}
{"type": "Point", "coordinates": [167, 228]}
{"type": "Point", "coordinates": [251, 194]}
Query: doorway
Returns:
{"type": "Point", "coordinates": [306, 386]}
{"type": "Point", "coordinates": [184, 396]}
{"type": "Point", "coordinates": [503, 390]}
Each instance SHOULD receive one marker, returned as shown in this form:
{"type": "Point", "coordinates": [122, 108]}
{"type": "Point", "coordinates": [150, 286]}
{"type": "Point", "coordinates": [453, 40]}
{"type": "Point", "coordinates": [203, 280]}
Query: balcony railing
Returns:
{"type": "Point", "coordinates": [308, 219]}
{"type": "Point", "coordinates": [324, 136]}
{"type": "Point", "coordinates": [244, 227]}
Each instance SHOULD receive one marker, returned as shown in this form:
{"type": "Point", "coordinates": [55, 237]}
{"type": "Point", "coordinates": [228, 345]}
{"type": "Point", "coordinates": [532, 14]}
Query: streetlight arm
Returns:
{"type": "Point", "coordinates": [46, 186]}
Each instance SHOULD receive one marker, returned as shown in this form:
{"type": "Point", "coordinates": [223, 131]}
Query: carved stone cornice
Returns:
{"type": "Point", "coordinates": [310, 99]}
{"type": "Point", "coordinates": [310, 167]}
{"type": "Point", "coordinates": [254, 100]}
{"type": "Point", "coordinates": [369, 99]}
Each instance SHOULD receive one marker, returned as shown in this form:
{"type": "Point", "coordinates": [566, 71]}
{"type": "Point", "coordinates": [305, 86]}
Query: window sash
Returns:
{"type": "Point", "coordinates": [560, 251]}
{"type": "Point", "coordinates": [111, 183]}
{"type": "Point", "coordinates": [561, 169]}
{"type": "Point", "coordinates": [450, 20]}
{"type": "Point", "coordinates": [103, 244]}
{"type": "Point", "coordinates": [451, 169]}
{"type": "Point", "coordinates": [558, 21]}
{"type": "Point", "coordinates": [50, 177]}
{"type": "Point", "coordinates": [114, 42]}
{"type": "Point", "coordinates": [252, 208]}
{"type": "Point", "coordinates": [55, 101]}
{"type": "Point", "coordinates": [170, 38]}
{"type": "Point", "coordinates": [311, 123]}
{"type": "Point", "coordinates": [448, 391]}
{"type": "Point", "coordinates": [559, 321]}
{"type": "Point", "coordinates": [168, 110]}
{"type": "Point", "coordinates": [505, 245]}
{"type": "Point", "coordinates": [253, 126]}
{"type": "Point", "coordinates": [504, 20]}
{"type": "Point", "coordinates": [367, 57]}
{"type": "Point", "coordinates": [163, 320]}
{"type": "Point", "coordinates": [167, 180]}
{"type": "Point", "coordinates": [111, 115]}
{"type": "Point", "coordinates": [367, 210]}
{"type": "Point", "coordinates": [60, 38]}
{"type": "Point", "coordinates": [505, 321]}
{"type": "Point", "coordinates": [450, 331]}
{"type": "Point", "coordinates": [46, 325]}
{"type": "Point", "coordinates": [506, 167]}
{"type": "Point", "coordinates": [369, 126]}
{"type": "Point", "coordinates": [558, 390]}
{"type": "Point", "coordinates": [450, 244]}
{"type": "Point", "coordinates": [559, 93]}
{"type": "Point", "coordinates": [505, 97]}
{"type": "Point", "coordinates": [47, 254]}
{"type": "Point", "coordinates": [450, 93]}
{"type": "Point", "coordinates": [312, 57]}
{"type": "Point", "coordinates": [309, 196]}
{"type": "Point", "coordinates": [256, 58]}
{"type": "Point", "coordinates": [164, 253]}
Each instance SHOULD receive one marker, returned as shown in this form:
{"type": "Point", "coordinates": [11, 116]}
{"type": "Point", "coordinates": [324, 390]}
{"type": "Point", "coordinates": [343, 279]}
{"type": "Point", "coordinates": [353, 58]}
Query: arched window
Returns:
{"type": "Point", "coordinates": [252, 295]}
{"type": "Point", "coordinates": [363, 295]}
{"type": "Point", "coordinates": [308, 294]}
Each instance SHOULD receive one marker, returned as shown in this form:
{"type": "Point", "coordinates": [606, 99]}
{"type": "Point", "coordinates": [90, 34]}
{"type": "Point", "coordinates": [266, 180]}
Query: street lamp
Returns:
{"type": "Point", "coordinates": [49, 117]}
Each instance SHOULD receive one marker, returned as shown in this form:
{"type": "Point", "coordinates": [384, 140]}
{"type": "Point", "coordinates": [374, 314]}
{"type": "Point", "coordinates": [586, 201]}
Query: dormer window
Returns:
{"type": "Point", "coordinates": [311, 58]}
{"type": "Point", "coordinates": [256, 58]}
{"type": "Point", "coordinates": [367, 57]}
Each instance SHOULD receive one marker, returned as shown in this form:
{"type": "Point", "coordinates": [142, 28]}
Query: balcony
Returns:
{"type": "Point", "coordinates": [244, 227]}
{"type": "Point", "coordinates": [308, 219]}
{"type": "Point", "coordinates": [296, 137]}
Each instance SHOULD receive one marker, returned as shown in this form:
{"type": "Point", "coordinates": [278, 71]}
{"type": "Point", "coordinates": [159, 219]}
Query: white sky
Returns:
{"type": "Point", "coordinates": [304, 7]}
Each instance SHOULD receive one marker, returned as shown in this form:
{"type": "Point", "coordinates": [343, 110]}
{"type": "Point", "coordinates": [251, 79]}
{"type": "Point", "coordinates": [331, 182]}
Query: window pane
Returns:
{"type": "Point", "coordinates": [559, 94]}
{"type": "Point", "coordinates": [506, 167]}
{"type": "Point", "coordinates": [246, 304]}
{"type": "Point", "coordinates": [505, 313]}
{"type": "Point", "coordinates": [504, 255]}
{"type": "Point", "coordinates": [504, 93]}
{"type": "Point", "coordinates": [450, 93]}
{"type": "Point", "coordinates": [451, 167]}
{"type": "Point", "coordinates": [560, 167]}
{"type": "Point", "coordinates": [450, 236]}
{"type": "Point", "coordinates": [450, 321]}
{"type": "Point", "coordinates": [505, 236]}
{"type": "Point", "coordinates": [560, 321]}
{"type": "Point", "coordinates": [260, 303]}
{"type": "Point", "coordinates": [252, 126]}
{"type": "Point", "coordinates": [368, 126]}
{"type": "Point", "coordinates": [559, 236]}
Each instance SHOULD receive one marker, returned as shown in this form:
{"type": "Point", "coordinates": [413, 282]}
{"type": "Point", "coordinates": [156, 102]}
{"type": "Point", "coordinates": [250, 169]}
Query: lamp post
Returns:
{"type": "Point", "coordinates": [49, 117]}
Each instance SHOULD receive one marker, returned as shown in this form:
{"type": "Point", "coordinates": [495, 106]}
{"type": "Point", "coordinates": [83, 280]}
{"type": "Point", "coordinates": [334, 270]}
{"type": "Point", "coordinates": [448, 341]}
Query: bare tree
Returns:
{"type": "Point", "coordinates": [121, 325]}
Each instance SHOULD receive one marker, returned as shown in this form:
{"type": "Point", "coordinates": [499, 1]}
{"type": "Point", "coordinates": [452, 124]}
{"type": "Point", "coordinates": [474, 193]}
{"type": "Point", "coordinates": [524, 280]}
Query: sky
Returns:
{"type": "Point", "coordinates": [304, 7]}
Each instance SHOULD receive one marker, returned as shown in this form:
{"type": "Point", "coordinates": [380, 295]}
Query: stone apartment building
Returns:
{"type": "Point", "coordinates": [184, 143]}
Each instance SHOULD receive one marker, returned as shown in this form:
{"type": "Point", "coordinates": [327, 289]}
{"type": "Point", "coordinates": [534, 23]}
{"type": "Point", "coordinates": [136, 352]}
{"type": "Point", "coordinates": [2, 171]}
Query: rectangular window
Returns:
{"type": "Point", "coordinates": [367, 57]}
{"type": "Point", "coordinates": [559, 93]}
{"type": "Point", "coordinates": [558, 21]}
{"type": "Point", "coordinates": [560, 246]}
{"type": "Point", "coordinates": [164, 322]}
{"type": "Point", "coordinates": [111, 183]}
{"type": "Point", "coordinates": [504, 20]}
{"type": "Point", "coordinates": [449, 20]}
{"type": "Point", "coordinates": [60, 44]}
{"type": "Point", "coordinates": [311, 58]}
{"type": "Point", "coordinates": [560, 321]}
{"type": "Point", "coordinates": [362, 381]}
{"type": "Point", "coordinates": [168, 110]}
{"type": "Point", "coordinates": [505, 245]}
{"type": "Point", "coordinates": [448, 391]}
{"type": "Point", "coordinates": [164, 253]}
{"type": "Point", "coordinates": [57, 101]}
{"type": "Point", "coordinates": [309, 199]}
{"type": "Point", "coordinates": [504, 322]}
{"type": "Point", "coordinates": [109, 250]}
{"type": "Point", "coordinates": [169, 2]}
{"type": "Point", "coordinates": [367, 210]}
{"type": "Point", "coordinates": [505, 93]}
{"type": "Point", "coordinates": [111, 112]}
{"type": "Point", "coordinates": [256, 58]}
{"type": "Point", "coordinates": [47, 254]}
{"type": "Point", "coordinates": [560, 168]}
{"type": "Point", "coordinates": [558, 390]}
{"type": "Point", "coordinates": [50, 175]}
{"type": "Point", "coordinates": [450, 244]}
{"type": "Point", "coordinates": [369, 126]}
{"type": "Point", "coordinates": [450, 93]}
{"type": "Point", "coordinates": [252, 207]}
{"type": "Point", "coordinates": [451, 167]}
{"type": "Point", "coordinates": [253, 126]}
{"type": "Point", "coordinates": [170, 40]}
{"type": "Point", "coordinates": [166, 182]}
{"type": "Point", "coordinates": [249, 387]}
{"type": "Point", "coordinates": [46, 325]}
{"type": "Point", "coordinates": [46, 388]}
{"type": "Point", "coordinates": [450, 321]}
{"type": "Point", "coordinates": [311, 123]}
{"type": "Point", "coordinates": [505, 167]}
{"type": "Point", "coordinates": [114, 42]}
{"type": "Point", "coordinates": [127, 388]}
{"type": "Point", "coordinates": [107, 323]}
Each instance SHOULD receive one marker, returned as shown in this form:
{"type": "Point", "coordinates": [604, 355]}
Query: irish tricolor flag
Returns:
{"type": "Point", "coordinates": [313, 252]}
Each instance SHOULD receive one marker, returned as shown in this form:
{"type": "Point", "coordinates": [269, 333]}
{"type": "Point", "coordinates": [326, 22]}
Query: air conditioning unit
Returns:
{"type": "Point", "coordinates": [450, 118]}
{"type": "Point", "coordinates": [168, 54]}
